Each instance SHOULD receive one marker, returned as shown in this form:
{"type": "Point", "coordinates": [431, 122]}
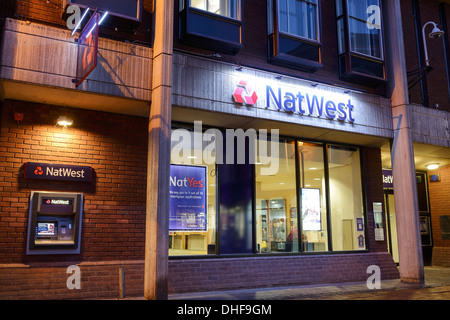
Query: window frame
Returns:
{"type": "Point", "coordinates": [238, 9]}
{"type": "Point", "coordinates": [275, 45]}
{"type": "Point", "coordinates": [317, 24]}
{"type": "Point", "coordinates": [325, 193]}
{"type": "Point", "coordinates": [347, 70]}
{"type": "Point", "coordinates": [229, 42]}
{"type": "Point", "coordinates": [381, 41]}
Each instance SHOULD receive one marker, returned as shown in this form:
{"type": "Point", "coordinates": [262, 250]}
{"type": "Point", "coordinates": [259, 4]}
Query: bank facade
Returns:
{"type": "Point", "coordinates": [247, 154]}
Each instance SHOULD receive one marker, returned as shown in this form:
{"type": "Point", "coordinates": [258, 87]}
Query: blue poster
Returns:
{"type": "Point", "coordinates": [187, 209]}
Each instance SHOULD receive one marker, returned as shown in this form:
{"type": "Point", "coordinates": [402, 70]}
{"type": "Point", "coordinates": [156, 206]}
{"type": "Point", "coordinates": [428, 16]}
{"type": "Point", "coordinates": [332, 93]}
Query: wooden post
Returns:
{"type": "Point", "coordinates": [157, 216]}
{"type": "Point", "coordinates": [121, 284]}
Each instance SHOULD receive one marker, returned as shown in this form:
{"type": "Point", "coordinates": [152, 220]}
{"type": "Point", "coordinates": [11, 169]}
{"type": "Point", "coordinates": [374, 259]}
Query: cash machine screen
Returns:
{"type": "Point", "coordinates": [46, 229]}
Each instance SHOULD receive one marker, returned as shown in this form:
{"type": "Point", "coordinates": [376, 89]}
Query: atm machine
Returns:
{"type": "Point", "coordinates": [54, 225]}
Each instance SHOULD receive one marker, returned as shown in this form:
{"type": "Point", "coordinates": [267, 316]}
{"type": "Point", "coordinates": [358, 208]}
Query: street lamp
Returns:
{"type": "Point", "coordinates": [434, 34]}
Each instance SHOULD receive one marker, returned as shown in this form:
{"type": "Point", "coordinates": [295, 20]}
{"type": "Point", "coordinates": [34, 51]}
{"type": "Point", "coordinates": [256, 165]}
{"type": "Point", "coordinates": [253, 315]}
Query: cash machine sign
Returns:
{"type": "Point", "coordinates": [49, 171]}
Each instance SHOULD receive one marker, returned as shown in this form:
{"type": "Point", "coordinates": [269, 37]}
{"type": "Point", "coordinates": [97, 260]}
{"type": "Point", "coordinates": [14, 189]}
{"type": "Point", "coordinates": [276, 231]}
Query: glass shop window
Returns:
{"type": "Point", "coordinates": [346, 202]}
{"type": "Point", "coordinates": [192, 210]}
{"type": "Point", "coordinates": [276, 202]}
{"type": "Point", "coordinates": [313, 197]}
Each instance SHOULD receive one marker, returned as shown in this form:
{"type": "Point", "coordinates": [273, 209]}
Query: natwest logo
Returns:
{"type": "Point", "coordinates": [245, 94]}
{"type": "Point", "coordinates": [38, 171]}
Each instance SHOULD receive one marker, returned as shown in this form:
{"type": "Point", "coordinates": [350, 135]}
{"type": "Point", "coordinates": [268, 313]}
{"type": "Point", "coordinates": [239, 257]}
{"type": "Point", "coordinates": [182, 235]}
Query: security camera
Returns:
{"type": "Point", "coordinates": [436, 33]}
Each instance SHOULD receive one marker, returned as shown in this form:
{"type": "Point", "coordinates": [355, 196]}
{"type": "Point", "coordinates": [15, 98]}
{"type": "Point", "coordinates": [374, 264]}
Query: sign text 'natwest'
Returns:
{"type": "Point", "coordinates": [48, 171]}
{"type": "Point", "coordinates": [310, 104]}
{"type": "Point", "coordinates": [304, 102]}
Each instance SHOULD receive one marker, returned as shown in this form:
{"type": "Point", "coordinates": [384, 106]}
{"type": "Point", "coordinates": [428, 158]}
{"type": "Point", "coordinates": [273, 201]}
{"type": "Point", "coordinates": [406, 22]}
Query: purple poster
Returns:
{"type": "Point", "coordinates": [187, 210]}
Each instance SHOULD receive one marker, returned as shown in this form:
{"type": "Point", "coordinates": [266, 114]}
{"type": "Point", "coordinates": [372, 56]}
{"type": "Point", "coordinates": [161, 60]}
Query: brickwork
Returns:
{"type": "Point", "coordinates": [49, 281]}
{"type": "Point", "coordinates": [436, 80]}
{"type": "Point", "coordinates": [53, 12]}
{"type": "Point", "coordinates": [439, 205]}
{"type": "Point", "coordinates": [101, 279]}
{"type": "Point", "coordinates": [234, 273]}
{"type": "Point", "coordinates": [113, 145]}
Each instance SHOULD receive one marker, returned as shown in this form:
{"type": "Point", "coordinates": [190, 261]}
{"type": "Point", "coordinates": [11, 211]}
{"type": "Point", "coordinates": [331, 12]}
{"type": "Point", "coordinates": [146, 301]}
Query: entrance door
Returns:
{"type": "Point", "coordinates": [347, 231]}
{"type": "Point", "coordinates": [391, 224]}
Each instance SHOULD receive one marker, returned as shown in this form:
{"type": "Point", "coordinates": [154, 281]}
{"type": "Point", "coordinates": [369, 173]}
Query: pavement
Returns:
{"type": "Point", "coordinates": [436, 287]}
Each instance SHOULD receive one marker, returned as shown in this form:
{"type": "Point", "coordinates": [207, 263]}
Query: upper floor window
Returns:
{"type": "Point", "coordinates": [212, 24]}
{"type": "Point", "coordinates": [360, 40]}
{"type": "Point", "coordinates": [294, 33]}
{"type": "Point", "coordinates": [227, 8]}
{"type": "Point", "coordinates": [365, 33]}
{"type": "Point", "coordinates": [299, 18]}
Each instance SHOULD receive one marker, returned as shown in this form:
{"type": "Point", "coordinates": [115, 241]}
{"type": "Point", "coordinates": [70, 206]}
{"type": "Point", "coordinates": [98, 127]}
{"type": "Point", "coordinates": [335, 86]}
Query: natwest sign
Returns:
{"type": "Point", "coordinates": [48, 171]}
{"type": "Point", "coordinates": [245, 94]}
{"type": "Point", "coordinates": [301, 100]}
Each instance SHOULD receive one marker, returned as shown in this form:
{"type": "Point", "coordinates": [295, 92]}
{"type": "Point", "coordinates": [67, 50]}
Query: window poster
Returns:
{"type": "Point", "coordinates": [311, 210]}
{"type": "Point", "coordinates": [187, 209]}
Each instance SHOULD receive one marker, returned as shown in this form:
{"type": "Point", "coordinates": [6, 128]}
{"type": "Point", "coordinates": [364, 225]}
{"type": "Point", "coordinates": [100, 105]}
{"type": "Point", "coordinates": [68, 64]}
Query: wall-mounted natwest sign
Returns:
{"type": "Point", "coordinates": [49, 171]}
{"type": "Point", "coordinates": [300, 100]}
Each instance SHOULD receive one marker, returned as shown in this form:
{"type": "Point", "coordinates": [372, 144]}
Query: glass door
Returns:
{"type": "Point", "coordinates": [391, 224]}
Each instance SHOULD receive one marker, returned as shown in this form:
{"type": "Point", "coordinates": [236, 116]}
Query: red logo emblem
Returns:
{"type": "Point", "coordinates": [38, 171]}
{"type": "Point", "coordinates": [244, 93]}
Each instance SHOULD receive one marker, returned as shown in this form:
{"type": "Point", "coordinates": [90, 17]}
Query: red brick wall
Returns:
{"type": "Point", "coordinates": [101, 279]}
{"type": "Point", "coordinates": [53, 13]}
{"type": "Point", "coordinates": [115, 146]}
{"type": "Point", "coordinates": [114, 217]}
{"type": "Point", "coordinates": [437, 79]}
{"type": "Point", "coordinates": [193, 275]}
{"type": "Point", "coordinates": [97, 280]}
{"type": "Point", "coordinates": [439, 205]}
{"type": "Point", "coordinates": [40, 10]}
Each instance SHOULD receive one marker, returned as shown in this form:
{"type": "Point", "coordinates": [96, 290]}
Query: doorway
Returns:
{"type": "Point", "coordinates": [391, 224]}
{"type": "Point", "coordinates": [347, 232]}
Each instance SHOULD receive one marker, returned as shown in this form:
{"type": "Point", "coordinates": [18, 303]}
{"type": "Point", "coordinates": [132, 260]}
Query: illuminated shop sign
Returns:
{"type": "Point", "coordinates": [388, 178]}
{"type": "Point", "coordinates": [87, 49]}
{"type": "Point", "coordinates": [310, 104]}
{"type": "Point", "coordinates": [48, 171]}
{"type": "Point", "coordinates": [301, 101]}
{"type": "Point", "coordinates": [56, 201]}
